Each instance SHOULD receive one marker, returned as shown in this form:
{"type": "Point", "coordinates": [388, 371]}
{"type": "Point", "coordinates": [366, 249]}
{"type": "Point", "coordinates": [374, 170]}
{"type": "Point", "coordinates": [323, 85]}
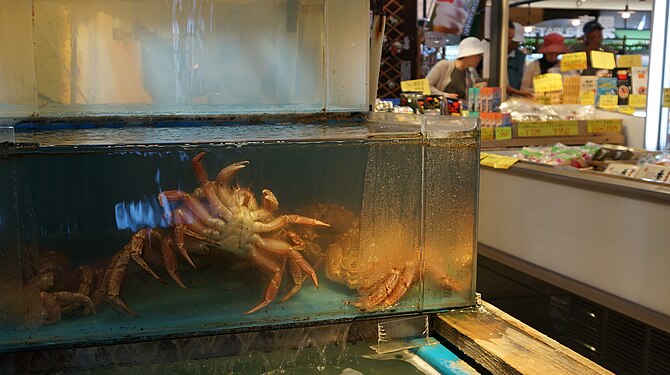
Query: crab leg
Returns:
{"type": "Point", "coordinates": [209, 189]}
{"type": "Point", "coordinates": [270, 265]}
{"type": "Point", "coordinates": [284, 248]}
{"type": "Point", "coordinates": [283, 220]}
{"type": "Point", "coordinates": [110, 286]}
{"type": "Point", "coordinates": [222, 180]}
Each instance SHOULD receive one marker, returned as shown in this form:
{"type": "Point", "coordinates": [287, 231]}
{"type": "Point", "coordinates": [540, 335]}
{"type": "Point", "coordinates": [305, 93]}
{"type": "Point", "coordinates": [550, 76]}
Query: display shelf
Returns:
{"type": "Point", "coordinates": [570, 132]}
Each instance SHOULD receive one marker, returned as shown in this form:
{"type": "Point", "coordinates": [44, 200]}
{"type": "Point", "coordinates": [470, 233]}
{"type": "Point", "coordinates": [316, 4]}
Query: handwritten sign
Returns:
{"type": "Point", "coordinates": [608, 101]}
{"type": "Point", "coordinates": [573, 61]}
{"type": "Point", "coordinates": [487, 134]}
{"type": "Point", "coordinates": [603, 60]}
{"type": "Point", "coordinates": [548, 82]}
{"type": "Point", "coordinates": [587, 98]}
{"type": "Point", "coordinates": [528, 129]}
{"type": "Point", "coordinates": [604, 126]}
{"type": "Point", "coordinates": [666, 97]}
{"type": "Point", "coordinates": [504, 132]}
{"type": "Point", "coordinates": [629, 61]}
{"type": "Point", "coordinates": [637, 100]}
{"type": "Point", "coordinates": [416, 85]}
{"type": "Point", "coordinates": [497, 161]}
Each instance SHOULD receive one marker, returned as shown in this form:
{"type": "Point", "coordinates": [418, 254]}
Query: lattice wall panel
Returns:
{"type": "Point", "coordinates": [399, 46]}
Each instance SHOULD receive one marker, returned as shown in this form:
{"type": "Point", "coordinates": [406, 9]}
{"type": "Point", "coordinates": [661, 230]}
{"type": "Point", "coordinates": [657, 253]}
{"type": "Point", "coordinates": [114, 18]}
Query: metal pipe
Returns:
{"type": "Point", "coordinates": [498, 53]}
{"type": "Point", "coordinates": [656, 123]}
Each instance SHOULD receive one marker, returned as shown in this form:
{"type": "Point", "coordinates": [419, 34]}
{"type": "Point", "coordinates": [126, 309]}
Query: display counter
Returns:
{"type": "Point", "coordinates": [599, 236]}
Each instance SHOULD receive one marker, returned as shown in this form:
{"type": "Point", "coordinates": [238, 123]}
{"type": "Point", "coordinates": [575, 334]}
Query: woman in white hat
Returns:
{"type": "Point", "coordinates": [451, 78]}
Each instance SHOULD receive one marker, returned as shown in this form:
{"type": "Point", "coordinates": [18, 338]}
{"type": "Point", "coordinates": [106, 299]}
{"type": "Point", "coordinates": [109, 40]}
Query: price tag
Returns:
{"type": "Point", "coordinates": [587, 98]}
{"type": "Point", "coordinates": [604, 126]}
{"type": "Point", "coordinates": [487, 134]}
{"type": "Point", "coordinates": [497, 161]}
{"type": "Point", "coordinates": [504, 132]}
{"type": "Point", "coordinates": [608, 101]}
{"type": "Point", "coordinates": [504, 162]}
{"type": "Point", "coordinates": [489, 160]}
{"type": "Point", "coordinates": [548, 82]}
{"type": "Point", "coordinates": [629, 61]}
{"type": "Point", "coordinates": [573, 61]}
{"type": "Point", "coordinates": [637, 100]}
{"type": "Point", "coordinates": [416, 85]}
{"type": "Point", "coordinates": [547, 129]}
{"type": "Point", "coordinates": [666, 97]}
{"type": "Point", "coordinates": [603, 60]}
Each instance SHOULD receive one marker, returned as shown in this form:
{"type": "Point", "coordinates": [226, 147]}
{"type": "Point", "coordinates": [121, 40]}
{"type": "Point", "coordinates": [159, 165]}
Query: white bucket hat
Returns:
{"type": "Point", "coordinates": [469, 47]}
{"type": "Point", "coordinates": [518, 33]}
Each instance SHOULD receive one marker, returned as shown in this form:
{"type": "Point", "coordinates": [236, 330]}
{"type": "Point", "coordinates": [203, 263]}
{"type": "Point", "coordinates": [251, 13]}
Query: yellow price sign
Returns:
{"type": "Point", "coordinates": [629, 61]}
{"type": "Point", "coordinates": [416, 85]}
{"type": "Point", "coordinates": [587, 98]}
{"type": "Point", "coordinates": [548, 82]}
{"type": "Point", "coordinates": [666, 97]}
{"type": "Point", "coordinates": [497, 161]}
{"type": "Point", "coordinates": [604, 126]}
{"type": "Point", "coordinates": [489, 160]}
{"type": "Point", "coordinates": [608, 101]}
{"type": "Point", "coordinates": [504, 132]}
{"type": "Point", "coordinates": [547, 129]}
{"type": "Point", "coordinates": [637, 100]}
{"type": "Point", "coordinates": [603, 60]}
{"type": "Point", "coordinates": [505, 162]}
{"type": "Point", "coordinates": [487, 134]}
{"type": "Point", "coordinates": [573, 61]}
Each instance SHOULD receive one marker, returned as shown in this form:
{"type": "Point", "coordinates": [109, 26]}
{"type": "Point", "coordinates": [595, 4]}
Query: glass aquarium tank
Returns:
{"type": "Point", "coordinates": [109, 234]}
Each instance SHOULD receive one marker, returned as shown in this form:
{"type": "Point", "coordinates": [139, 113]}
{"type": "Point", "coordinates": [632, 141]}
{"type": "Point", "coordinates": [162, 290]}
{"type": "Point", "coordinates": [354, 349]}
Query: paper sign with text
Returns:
{"type": "Point", "coordinates": [608, 101]}
{"type": "Point", "coordinates": [587, 98]}
{"type": "Point", "coordinates": [547, 129]}
{"type": "Point", "coordinates": [573, 61]}
{"type": "Point", "coordinates": [637, 101]}
{"type": "Point", "coordinates": [604, 126]}
{"type": "Point", "coordinates": [487, 134]}
{"type": "Point", "coordinates": [548, 82]}
{"type": "Point", "coordinates": [504, 132]}
{"type": "Point", "coordinates": [416, 85]}
{"type": "Point", "coordinates": [629, 61]}
{"type": "Point", "coordinates": [603, 60]}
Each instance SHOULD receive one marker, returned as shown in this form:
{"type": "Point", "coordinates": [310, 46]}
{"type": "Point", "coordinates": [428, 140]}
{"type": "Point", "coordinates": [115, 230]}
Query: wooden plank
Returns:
{"type": "Point", "coordinates": [504, 345]}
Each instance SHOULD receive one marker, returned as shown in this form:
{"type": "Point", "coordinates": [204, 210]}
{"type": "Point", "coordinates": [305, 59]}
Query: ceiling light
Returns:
{"type": "Point", "coordinates": [626, 12]}
{"type": "Point", "coordinates": [528, 29]}
{"type": "Point", "coordinates": [575, 22]}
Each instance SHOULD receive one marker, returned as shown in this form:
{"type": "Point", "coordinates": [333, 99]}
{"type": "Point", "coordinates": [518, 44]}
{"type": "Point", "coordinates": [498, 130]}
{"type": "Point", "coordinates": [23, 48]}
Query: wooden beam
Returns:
{"type": "Point", "coordinates": [505, 345]}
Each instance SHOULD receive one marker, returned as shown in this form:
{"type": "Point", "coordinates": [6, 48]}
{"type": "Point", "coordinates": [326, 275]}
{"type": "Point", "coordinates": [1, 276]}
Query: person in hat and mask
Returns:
{"type": "Point", "coordinates": [452, 78]}
{"type": "Point", "coordinates": [516, 61]}
{"type": "Point", "coordinates": [592, 40]}
{"type": "Point", "coordinates": [553, 45]}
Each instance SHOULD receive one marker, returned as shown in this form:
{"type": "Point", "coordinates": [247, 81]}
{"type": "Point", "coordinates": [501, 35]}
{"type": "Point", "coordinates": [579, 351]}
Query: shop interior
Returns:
{"type": "Point", "coordinates": [335, 186]}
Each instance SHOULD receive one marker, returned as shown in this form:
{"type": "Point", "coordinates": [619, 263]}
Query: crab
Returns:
{"type": "Point", "coordinates": [380, 281]}
{"type": "Point", "coordinates": [45, 293]}
{"type": "Point", "coordinates": [221, 217]}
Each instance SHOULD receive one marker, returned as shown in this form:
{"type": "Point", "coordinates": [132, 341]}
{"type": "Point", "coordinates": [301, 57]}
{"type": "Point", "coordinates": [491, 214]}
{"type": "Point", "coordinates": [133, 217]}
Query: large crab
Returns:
{"type": "Point", "coordinates": [221, 217]}
{"type": "Point", "coordinates": [380, 278]}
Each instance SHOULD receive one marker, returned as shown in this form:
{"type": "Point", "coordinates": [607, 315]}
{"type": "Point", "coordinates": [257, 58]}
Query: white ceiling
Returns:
{"type": "Point", "coordinates": [591, 4]}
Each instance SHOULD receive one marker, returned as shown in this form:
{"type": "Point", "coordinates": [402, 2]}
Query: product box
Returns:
{"type": "Point", "coordinates": [588, 83]}
{"type": "Point", "coordinates": [495, 97]}
{"type": "Point", "coordinates": [621, 169]}
{"type": "Point", "coordinates": [639, 79]}
{"type": "Point", "coordinates": [474, 101]}
{"type": "Point", "coordinates": [606, 86]}
{"type": "Point", "coordinates": [571, 85]}
{"type": "Point", "coordinates": [623, 85]}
